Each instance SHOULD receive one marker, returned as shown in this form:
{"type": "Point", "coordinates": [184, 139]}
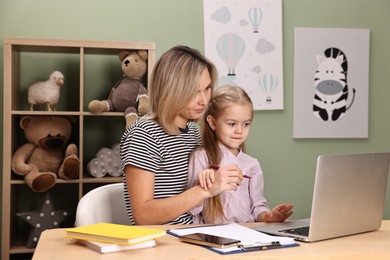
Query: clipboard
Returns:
{"type": "Point", "coordinates": [251, 240]}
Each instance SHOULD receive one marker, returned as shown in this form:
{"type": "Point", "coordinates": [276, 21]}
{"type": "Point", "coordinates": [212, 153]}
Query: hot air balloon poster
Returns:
{"type": "Point", "coordinates": [244, 40]}
{"type": "Point", "coordinates": [331, 77]}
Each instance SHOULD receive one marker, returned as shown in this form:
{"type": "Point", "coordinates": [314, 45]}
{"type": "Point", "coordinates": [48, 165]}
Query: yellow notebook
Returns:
{"type": "Point", "coordinates": [114, 233]}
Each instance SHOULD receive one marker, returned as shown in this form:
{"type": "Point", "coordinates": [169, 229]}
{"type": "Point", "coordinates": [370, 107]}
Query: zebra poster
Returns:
{"type": "Point", "coordinates": [244, 41]}
{"type": "Point", "coordinates": [331, 76]}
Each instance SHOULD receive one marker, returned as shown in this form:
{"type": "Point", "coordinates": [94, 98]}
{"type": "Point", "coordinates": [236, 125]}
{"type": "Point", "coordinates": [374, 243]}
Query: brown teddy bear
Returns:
{"type": "Point", "coordinates": [43, 158]}
{"type": "Point", "coordinates": [128, 95]}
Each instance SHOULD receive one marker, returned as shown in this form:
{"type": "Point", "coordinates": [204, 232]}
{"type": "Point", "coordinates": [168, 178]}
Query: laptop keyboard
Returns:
{"type": "Point", "coordinates": [302, 231]}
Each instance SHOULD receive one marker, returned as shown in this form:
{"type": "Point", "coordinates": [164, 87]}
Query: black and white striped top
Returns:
{"type": "Point", "coordinates": [146, 145]}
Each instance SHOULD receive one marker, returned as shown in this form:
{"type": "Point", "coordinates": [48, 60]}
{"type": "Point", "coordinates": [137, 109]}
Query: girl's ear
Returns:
{"type": "Point", "coordinates": [210, 121]}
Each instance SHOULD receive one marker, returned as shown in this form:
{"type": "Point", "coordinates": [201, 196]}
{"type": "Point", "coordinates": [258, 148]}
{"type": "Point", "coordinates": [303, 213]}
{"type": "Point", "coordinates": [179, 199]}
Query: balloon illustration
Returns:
{"type": "Point", "coordinates": [230, 47]}
{"type": "Point", "coordinates": [255, 15]}
{"type": "Point", "coordinates": [268, 83]}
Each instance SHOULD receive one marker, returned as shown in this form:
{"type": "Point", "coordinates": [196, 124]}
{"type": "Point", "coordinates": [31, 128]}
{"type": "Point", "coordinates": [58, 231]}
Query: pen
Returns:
{"type": "Point", "coordinates": [216, 167]}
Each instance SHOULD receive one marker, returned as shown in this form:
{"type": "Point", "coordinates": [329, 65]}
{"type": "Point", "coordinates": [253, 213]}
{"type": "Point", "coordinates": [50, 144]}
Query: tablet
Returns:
{"type": "Point", "coordinates": [209, 240]}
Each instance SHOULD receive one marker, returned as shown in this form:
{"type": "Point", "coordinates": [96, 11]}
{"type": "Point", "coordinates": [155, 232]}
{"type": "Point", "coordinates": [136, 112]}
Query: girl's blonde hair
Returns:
{"type": "Point", "coordinates": [223, 97]}
{"type": "Point", "coordinates": [174, 83]}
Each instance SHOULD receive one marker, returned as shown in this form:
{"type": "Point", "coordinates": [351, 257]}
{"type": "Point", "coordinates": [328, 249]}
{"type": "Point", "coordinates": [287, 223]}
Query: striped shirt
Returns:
{"type": "Point", "coordinates": [147, 146]}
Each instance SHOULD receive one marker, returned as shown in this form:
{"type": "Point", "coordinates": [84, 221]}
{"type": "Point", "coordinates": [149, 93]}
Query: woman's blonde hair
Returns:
{"type": "Point", "coordinates": [223, 97]}
{"type": "Point", "coordinates": [174, 83]}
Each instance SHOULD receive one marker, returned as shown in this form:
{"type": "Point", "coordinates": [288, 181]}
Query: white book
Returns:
{"type": "Point", "coordinates": [104, 248]}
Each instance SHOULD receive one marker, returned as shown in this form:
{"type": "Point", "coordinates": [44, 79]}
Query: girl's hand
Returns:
{"type": "Point", "coordinates": [278, 214]}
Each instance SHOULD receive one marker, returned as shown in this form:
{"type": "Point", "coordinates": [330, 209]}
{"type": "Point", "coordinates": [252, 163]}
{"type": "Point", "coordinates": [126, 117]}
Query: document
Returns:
{"type": "Point", "coordinates": [250, 239]}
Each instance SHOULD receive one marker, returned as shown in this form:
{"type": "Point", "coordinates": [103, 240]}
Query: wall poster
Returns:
{"type": "Point", "coordinates": [331, 76]}
{"type": "Point", "coordinates": [244, 40]}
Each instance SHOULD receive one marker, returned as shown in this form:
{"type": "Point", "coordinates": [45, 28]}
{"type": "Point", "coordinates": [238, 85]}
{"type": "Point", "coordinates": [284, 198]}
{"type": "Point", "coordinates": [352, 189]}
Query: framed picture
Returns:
{"type": "Point", "coordinates": [331, 76]}
{"type": "Point", "coordinates": [244, 40]}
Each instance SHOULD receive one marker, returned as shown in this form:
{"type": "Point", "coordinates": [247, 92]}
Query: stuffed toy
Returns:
{"type": "Point", "coordinates": [45, 157]}
{"type": "Point", "coordinates": [128, 95]}
{"type": "Point", "coordinates": [107, 161]}
{"type": "Point", "coordinates": [47, 217]}
{"type": "Point", "coordinates": [46, 92]}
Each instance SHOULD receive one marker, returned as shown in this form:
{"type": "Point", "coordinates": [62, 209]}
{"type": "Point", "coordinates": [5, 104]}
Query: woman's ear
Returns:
{"type": "Point", "coordinates": [210, 121]}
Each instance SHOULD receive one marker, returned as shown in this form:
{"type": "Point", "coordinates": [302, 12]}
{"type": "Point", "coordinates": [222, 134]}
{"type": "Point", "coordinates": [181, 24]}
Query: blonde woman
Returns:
{"type": "Point", "coordinates": [155, 149]}
{"type": "Point", "coordinates": [225, 127]}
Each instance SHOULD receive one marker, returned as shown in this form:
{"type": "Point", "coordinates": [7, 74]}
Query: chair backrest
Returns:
{"type": "Point", "coordinates": [103, 204]}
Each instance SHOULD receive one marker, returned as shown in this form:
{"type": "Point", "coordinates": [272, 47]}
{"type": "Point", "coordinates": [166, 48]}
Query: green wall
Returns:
{"type": "Point", "coordinates": [289, 164]}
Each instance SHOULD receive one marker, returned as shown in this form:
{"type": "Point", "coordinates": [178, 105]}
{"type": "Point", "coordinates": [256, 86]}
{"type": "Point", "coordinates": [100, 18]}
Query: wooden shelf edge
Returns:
{"type": "Point", "coordinates": [77, 181]}
{"type": "Point", "coordinates": [53, 113]}
{"type": "Point", "coordinates": [62, 43]}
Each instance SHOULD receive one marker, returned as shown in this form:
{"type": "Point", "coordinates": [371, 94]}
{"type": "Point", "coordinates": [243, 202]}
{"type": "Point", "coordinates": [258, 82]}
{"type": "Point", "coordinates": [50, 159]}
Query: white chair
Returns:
{"type": "Point", "coordinates": [103, 204]}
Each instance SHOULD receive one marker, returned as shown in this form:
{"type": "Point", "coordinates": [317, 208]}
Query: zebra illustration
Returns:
{"type": "Point", "coordinates": [330, 98]}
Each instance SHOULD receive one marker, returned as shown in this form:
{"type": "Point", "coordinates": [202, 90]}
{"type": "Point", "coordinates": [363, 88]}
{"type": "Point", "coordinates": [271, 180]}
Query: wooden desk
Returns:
{"type": "Point", "coordinates": [371, 245]}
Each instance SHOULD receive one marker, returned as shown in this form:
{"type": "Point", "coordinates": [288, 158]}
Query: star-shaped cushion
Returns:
{"type": "Point", "coordinates": [45, 218]}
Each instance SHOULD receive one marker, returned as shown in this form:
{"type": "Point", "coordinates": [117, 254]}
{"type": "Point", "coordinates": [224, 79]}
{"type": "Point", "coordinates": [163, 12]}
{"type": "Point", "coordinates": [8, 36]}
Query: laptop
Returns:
{"type": "Point", "coordinates": [349, 196]}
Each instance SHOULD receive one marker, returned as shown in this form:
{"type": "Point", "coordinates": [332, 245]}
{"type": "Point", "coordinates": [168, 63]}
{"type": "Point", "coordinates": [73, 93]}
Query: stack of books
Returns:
{"type": "Point", "coordinates": [108, 237]}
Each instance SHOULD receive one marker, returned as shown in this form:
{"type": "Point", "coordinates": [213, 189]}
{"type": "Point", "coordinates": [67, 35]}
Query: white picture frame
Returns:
{"type": "Point", "coordinates": [331, 83]}
{"type": "Point", "coordinates": [244, 40]}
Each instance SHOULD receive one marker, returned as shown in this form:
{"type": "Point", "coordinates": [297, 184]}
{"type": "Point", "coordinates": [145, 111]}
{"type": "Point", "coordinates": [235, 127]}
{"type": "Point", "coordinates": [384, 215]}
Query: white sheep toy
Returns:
{"type": "Point", "coordinates": [46, 92]}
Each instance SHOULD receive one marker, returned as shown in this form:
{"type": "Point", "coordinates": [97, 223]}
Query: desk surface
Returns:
{"type": "Point", "coordinates": [371, 245]}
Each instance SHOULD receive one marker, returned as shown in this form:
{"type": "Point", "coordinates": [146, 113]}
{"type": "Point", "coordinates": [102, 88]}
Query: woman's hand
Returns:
{"type": "Point", "coordinates": [206, 178]}
{"type": "Point", "coordinates": [225, 178]}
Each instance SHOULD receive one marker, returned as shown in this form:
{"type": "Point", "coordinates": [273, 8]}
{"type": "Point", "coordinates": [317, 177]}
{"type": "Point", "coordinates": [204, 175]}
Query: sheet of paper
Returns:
{"type": "Point", "coordinates": [247, 236]}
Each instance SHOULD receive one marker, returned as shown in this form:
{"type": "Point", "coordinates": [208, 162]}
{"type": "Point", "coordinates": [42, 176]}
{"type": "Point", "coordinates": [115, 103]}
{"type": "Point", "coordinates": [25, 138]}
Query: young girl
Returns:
{"type": "Point", "coordinates": [155, 149]}
{"type": "Point", "coordinates": [225, 127]}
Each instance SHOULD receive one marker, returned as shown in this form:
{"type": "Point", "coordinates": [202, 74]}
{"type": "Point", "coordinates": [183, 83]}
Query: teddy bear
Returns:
{"type": "Point", "coordinates": [128, 95]}
{"type": "Point", "coordinates": [44, 157]}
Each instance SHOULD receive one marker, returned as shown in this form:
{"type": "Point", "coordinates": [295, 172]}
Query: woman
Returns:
{"type": "Point", "coordinates": [155, 149]}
